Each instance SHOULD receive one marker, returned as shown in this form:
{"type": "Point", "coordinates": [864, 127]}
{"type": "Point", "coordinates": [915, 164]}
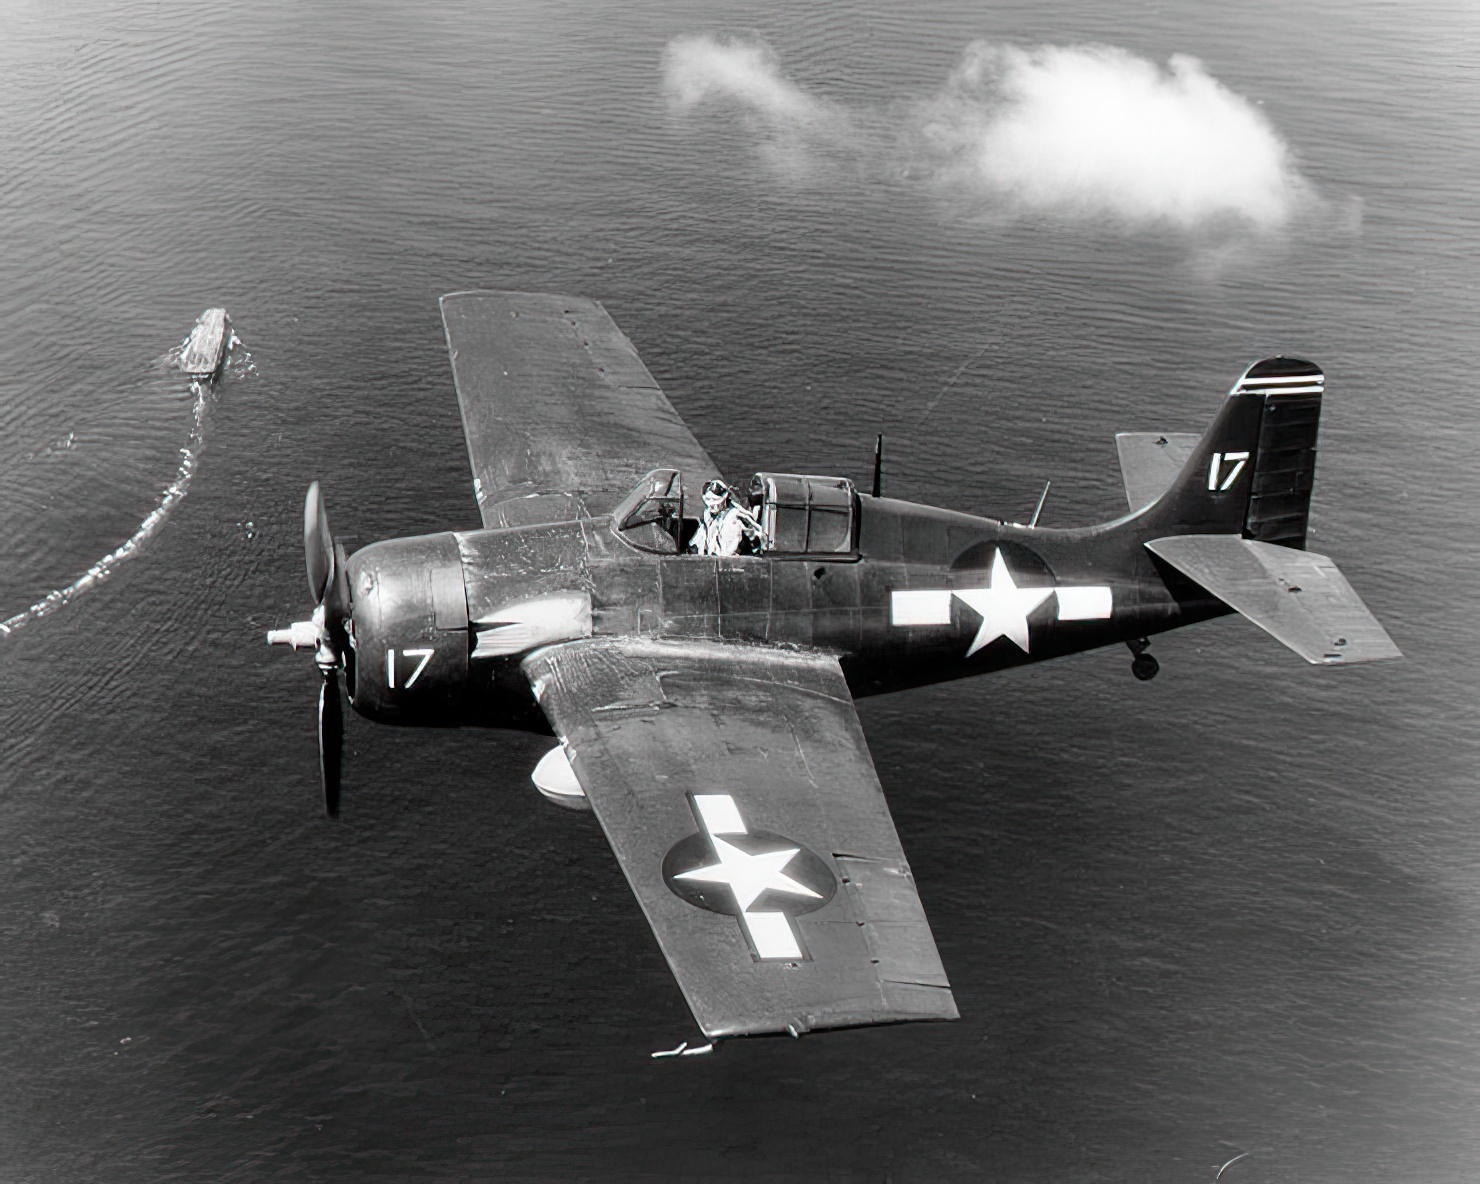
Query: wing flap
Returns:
{"type": "Point", "coordinates": [1150, 461]}
{"type": "Point", "coordinates": [696, 754]}
{"type": "Point", "coordinates": [560, 415]}
{"type": "Point", "coordinates": [1298, 597]}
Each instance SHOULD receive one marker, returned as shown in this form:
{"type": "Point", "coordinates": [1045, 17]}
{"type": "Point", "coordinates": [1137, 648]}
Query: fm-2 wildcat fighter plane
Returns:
{"type": "Point", "coordinates": [703, 703]}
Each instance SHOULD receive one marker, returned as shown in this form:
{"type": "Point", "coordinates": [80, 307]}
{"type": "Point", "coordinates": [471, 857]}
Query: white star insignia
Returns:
{"type": "Point", "coordinates": [749, 875]}
{"type": "Point", "coordinates": [1003, 606]}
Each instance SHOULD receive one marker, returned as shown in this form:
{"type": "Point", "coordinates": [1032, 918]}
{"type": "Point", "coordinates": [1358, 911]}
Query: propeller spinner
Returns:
{"type": "Point", "coordinates": [324, 634]}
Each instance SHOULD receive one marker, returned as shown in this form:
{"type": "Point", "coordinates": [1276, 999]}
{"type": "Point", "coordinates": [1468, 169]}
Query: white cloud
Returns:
{"type": "Point", "coordinates": [696, 69]}
{"type": "Point", "coordinates": [1096, 130]}
{"type": "Point", "coordinates": [796, 131]}
{"type": "Point", "coordinates": [1082, 132]}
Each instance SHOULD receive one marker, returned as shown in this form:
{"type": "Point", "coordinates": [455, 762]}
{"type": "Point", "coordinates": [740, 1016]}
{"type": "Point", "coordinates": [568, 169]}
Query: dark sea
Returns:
{"type": "Point", "coordinates": [1232, 912]}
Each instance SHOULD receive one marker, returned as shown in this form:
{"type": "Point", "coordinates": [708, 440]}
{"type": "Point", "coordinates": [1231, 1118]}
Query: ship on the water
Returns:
{"type": "Point", "coordinates": [205, 349]}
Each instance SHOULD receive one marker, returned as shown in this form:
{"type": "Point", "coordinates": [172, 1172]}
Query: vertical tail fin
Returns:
{"type": "Point", "coordinates": [1252, 471]}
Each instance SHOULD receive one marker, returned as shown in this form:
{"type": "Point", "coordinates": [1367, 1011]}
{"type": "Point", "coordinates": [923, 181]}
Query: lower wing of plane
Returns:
{"type": "Point", "coordinates": [735, 787]}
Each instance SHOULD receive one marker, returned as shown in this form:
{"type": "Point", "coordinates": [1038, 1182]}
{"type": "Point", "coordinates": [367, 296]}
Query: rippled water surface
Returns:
{"type": "Point", "coordinates": [1234, 910]}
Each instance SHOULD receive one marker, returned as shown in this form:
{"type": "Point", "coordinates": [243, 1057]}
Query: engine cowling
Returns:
{"type": "Point", "coordinates": [410, 636]}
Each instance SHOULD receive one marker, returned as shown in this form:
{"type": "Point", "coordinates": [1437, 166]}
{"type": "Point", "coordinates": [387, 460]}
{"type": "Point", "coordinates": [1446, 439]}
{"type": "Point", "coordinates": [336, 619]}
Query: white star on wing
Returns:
{"type": "Point", "coordinates": [749, 875]}
{"type": "Point", "coordinates": [1004, 607]}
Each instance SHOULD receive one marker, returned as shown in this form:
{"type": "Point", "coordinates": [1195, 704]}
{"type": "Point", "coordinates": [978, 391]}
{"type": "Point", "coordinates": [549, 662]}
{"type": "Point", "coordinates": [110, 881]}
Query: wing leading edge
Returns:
{"type": "Point", "coordinates": [735, 787]}
{"type": "Point", "coordinates": [561, 416]}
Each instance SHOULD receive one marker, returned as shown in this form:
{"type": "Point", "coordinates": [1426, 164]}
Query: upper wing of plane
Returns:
{"type": "Point", "coordinates": [560, 414]}
{"type": "Point", "coordinates": [736, 789]}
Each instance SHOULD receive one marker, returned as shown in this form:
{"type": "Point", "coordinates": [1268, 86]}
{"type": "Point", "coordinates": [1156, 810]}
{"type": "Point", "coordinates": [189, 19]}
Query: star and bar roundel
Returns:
{"type": "Point", "coordinates": [763, 880]}
{"type": "Point", "coordinates": [1003, 605]}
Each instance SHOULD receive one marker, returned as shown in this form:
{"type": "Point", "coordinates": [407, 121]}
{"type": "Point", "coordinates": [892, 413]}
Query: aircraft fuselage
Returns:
{"type": "Point", "coordinates": [926, 595]}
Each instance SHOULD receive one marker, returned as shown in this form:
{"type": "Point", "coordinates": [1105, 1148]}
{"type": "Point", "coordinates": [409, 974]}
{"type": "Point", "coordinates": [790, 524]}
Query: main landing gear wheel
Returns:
{"type": "Point", "coordinates": [1143, 665]}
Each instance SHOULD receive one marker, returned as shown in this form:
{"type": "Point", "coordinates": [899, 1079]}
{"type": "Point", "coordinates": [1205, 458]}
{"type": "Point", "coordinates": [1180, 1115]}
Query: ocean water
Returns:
{"type": "Point", "coordinates": [1235, 910]}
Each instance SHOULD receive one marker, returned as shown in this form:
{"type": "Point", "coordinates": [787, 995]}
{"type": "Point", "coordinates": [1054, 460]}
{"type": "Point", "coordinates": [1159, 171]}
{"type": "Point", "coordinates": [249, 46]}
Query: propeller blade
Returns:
{"type": "Point", "coordinates": [337, 604]}
{"type": "Point", "coordinates": [331, 741]}
{"type": "Point", "coordinates": [318, 544]}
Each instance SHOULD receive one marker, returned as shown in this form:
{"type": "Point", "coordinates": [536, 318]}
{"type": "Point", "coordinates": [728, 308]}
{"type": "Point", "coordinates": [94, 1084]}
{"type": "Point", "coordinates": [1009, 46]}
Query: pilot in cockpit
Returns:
{"type": "Point", "coordinates": [727, 527]}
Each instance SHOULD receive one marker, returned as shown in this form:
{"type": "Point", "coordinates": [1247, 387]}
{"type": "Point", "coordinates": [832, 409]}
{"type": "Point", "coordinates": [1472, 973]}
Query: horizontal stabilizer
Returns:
{"type": "Point", "coordinates": [1150, 462]}
{"type": "Point", "coordinates": [1298, 597]}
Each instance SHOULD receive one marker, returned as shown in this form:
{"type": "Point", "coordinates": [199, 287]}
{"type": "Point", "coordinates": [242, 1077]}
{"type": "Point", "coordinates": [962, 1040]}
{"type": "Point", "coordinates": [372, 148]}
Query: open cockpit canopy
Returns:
{"type": "Point", "coordinates": [800, 515]}
{"type": "Point", "coordinates": [805, 515]}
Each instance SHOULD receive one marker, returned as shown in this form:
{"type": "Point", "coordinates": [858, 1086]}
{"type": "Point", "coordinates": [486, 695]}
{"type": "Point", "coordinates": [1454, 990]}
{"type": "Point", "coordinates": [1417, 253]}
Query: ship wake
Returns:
{"type": "Point", "coordinates": [238, 362]}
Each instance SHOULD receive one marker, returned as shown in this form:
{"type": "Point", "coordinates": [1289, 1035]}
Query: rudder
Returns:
{"type": "Point", "coordinates": [1253, 470]}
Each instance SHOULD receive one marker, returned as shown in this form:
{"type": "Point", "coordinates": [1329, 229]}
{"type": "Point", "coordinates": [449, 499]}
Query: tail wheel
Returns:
{"type": "Point", "coordinates": [1143, 665]}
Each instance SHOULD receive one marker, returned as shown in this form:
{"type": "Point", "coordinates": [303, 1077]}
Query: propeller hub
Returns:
{"type": "Point", "coordinates": [310, 635]}
{"type": "Point", "coordinates": [301, 635]}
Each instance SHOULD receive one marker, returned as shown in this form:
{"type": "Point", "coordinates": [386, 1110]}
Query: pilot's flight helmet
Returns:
{"type": "Point", "coordinates": [716, 494]}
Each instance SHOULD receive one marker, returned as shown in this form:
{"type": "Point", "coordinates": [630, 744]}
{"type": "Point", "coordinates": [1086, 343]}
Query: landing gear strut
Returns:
{"type": "Point", "coordinates": [1143, 665]}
